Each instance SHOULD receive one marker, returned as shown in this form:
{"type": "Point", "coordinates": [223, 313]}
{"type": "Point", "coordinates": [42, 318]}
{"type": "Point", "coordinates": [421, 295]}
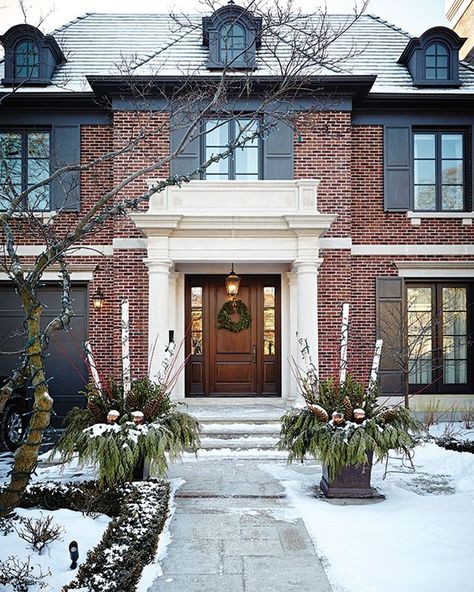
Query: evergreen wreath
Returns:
{"type": "Point", "coordinates": [224, 316]}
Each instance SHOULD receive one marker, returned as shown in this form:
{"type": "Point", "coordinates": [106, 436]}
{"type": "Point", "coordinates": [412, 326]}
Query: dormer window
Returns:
{"type": "Point", "coordinates": [433, 58]}
{"type": "Point", "coordinates": [31, 58]}
{"type": "Point", "coordinates": [26, 60]}
{"type": "Point", "coordinates": [232, 34]}
{"type": "Point", "coordinates": [436, 60]}
{"type": "Point", "coordinates": [232, 43]}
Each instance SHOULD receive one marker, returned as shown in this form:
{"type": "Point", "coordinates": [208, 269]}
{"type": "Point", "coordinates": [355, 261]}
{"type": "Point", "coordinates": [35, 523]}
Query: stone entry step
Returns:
{"type": "Point", "coordinates": [238, 427]}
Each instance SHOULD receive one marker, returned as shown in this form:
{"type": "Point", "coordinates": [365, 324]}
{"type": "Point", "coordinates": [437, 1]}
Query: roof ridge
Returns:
{"type": "Point", "coordinates": [390, 25]}
{"type": "Point", "coordinates": [467, 65]}
{"type": "Point", "coordinates": [70, 23]}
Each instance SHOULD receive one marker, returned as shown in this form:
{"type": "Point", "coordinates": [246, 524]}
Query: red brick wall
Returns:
{"type": "Point", "coordinates": [324, 153]}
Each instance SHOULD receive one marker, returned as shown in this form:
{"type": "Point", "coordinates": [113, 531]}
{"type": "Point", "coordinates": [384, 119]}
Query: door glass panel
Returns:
{"type": "Point", "coordinates": [196, 321]}
{"type": "Point", "coordinates": [454, 303]}
{"type": "Point", "coordinates": [420, 338]}
{"type": "Point", "coordinates": [269, 341]}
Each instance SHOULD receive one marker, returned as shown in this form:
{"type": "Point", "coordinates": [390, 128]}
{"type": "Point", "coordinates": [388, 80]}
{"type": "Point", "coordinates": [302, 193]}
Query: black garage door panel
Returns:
{"type": "Point", "coordinates": [64, 363]}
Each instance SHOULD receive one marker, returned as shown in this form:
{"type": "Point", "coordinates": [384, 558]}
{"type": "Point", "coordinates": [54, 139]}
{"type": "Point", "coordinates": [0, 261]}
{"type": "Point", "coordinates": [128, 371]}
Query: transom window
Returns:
{"type": "Point", "coordinates": [24, 162]}
{"type": "Point", "coordinates": [436, 57]}
{"type": "Point", "coordinates": [232, 43]}
{"type": "Point", "coordinates": [439, 171]}
{"type": "Point", "coordinates": [26, 60]}
{"type": "Point", "coordinates": [439, 336]}
{"type": "Point", "coordinates": [244, 162]}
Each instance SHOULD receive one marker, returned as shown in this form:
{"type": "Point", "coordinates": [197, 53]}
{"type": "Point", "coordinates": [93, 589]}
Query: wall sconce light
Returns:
{"type": "Point", "coordinates": [232, 283]}
{"type": "Point", "coordinates": [98, 299]}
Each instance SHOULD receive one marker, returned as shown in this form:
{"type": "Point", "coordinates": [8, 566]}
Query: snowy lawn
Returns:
{"type": "Point", "coordinates": [55, 557]}
{"type": "Point", "coordinates": [420, 539]}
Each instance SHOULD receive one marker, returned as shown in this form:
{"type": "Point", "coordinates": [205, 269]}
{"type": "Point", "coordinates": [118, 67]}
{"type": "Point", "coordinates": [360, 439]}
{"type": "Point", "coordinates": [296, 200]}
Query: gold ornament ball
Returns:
{"type": "Point", "coordinates": [337, 418]}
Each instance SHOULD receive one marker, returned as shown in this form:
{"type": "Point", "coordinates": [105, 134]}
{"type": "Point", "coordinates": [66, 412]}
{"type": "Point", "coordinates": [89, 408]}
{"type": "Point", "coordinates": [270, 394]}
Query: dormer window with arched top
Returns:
{"type": "Point", "coordinates": [30, 57]}
{"type": "Point", "coordinates": [27, 62]}
{"type": "Point", "coordinates": [437, 61]}
{"type": "Point", "coordinates": [232, 43]}
{"type": "Point", "coordinates": [232, 34]}
{"type": "Point", "coordinates": [433, 58]}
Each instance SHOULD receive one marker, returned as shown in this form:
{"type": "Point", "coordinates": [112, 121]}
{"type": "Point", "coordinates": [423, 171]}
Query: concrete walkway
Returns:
{"type": "Point", "coordinates": [229, 534]}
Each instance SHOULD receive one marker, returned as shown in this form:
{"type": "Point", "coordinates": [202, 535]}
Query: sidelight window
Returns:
{"type": "Point", "coordinates": [269, 327]}
{"type": "Point", "coordinates": [196, 321]}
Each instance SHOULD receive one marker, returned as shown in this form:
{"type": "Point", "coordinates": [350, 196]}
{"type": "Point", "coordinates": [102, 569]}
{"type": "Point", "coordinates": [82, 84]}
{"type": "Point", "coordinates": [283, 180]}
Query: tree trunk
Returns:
{"type": "Point", "coordinates": [26, 457]}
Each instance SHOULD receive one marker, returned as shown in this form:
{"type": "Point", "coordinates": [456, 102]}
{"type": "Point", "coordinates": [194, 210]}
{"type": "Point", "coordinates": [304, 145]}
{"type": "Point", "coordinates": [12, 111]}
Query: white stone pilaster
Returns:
{"type": "Point", "coordinates": [306, 271]}
{"type": "Point", "coordinates": [158, 316]}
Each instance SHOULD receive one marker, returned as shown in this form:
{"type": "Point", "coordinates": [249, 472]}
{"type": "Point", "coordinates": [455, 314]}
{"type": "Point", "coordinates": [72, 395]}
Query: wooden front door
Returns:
{"type": "Point", "coordinates": [221, 362]}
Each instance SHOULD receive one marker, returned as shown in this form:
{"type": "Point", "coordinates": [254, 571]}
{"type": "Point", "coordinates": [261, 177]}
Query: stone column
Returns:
{"type": "Point", "coordinates": [158, 315]}
{"type": "Point", "coordinates": [306, 271]}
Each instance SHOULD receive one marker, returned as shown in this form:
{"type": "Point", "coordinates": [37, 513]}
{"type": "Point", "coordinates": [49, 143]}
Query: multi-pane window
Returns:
{"type": "Point", "coordinates": [24, 162]}
{"type": "Point", "coordinates": [439, 335]}
{"type": "Point", "coordinates": [196, 320]}
{"type": "Point", "coordinates": [232, 43]}
{"type": "Point", "coordinates": [269, 316]}
{"type": "Point", "coordinates": [244, 162]}
{"type": "Point", "coordinates": [436, 65]}
{"type": "Point", "coordinates": [26, 60]}
{"type": "Point", "coordinates": [439, 175]}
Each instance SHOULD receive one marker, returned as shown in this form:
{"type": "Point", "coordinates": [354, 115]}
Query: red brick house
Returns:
{"type": "Point", "coordinates": [369, 202]}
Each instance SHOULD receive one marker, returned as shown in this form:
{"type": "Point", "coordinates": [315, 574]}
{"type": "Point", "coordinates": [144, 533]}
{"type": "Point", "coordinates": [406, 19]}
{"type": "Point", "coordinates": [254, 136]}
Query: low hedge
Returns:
{"type": "Point", "coordinates": [138, 511]}
{"type": "Point", "coordinates": [450, 443]}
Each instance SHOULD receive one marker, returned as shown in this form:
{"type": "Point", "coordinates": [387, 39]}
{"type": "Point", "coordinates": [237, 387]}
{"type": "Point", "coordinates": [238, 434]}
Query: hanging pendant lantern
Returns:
{"type": "Point", "coordinates": [232, 283]}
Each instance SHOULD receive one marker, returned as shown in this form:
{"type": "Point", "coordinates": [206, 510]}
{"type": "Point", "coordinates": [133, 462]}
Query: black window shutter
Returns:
{"type": "Point", "coordinates": [397, 168]}
{"type": "Point", "coordinates": [390, 328]}
{"type": "Point", "coordinates": [187, 161]}
{"type": "Point", "coordinates": [278, 150]}
{"type": "Point", "coordinates": [65, 150]}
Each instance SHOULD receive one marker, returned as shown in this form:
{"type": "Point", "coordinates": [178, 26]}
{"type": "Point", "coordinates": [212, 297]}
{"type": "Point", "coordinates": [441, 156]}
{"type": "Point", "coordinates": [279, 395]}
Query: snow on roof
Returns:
{"type": "Point", "coordinates": [100, 44]}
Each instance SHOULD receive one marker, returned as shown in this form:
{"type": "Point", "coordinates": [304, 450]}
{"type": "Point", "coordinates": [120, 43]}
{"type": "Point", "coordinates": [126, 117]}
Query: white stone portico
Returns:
{"type": "Point", "coordinates": [263, 227]}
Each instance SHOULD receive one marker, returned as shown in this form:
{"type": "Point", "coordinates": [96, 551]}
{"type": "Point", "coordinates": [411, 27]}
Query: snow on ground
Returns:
{"type": "Point", "coordinates": [418, 540]}
{"type": "Point", "coordinates": [55, 557]}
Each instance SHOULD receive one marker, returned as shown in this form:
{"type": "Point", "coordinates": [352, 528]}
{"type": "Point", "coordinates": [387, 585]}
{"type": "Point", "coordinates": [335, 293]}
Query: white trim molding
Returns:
{"type": "Point", "coordinates": [434, 250]}
{"type": "Point", "coordinates": [435, 269]}
{"type": "Point", "coordinates": [76, 250]}
{"type": "Point", "coordinates": [79, 272]}
{"type": "Point", "coordinates": [416, 217]}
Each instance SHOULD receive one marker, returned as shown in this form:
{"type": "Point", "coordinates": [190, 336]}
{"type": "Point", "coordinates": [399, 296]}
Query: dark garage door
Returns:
{"type": "Point", "coordinates": [65, 367]}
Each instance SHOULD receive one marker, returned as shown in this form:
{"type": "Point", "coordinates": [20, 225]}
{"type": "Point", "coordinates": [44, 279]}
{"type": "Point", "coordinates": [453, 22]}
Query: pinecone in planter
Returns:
{"type": "Point", "coordinates": [387, 415]}
{"type": "Point", "coordinates": [131, 402]}
{"type": "Point", "coordinates": [320, 413]}
{"type": "Point", "coordinates": [348, 410]}
{"type": "Point", "coordinates": [96, 411]}
{"type": "Point", "coordinates": [151, 409]}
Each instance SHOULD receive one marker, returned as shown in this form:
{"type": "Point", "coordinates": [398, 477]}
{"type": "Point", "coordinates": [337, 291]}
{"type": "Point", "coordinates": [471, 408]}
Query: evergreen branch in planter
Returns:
{"type": "Point", "coordinates": [343, 423]}
{"type": "Point", "coordinates": [117, 446]}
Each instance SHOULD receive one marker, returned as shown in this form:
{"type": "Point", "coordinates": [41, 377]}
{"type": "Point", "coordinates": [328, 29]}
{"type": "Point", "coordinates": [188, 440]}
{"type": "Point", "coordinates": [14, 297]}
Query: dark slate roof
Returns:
{"type": "Point", "coordinates": [100, 44]}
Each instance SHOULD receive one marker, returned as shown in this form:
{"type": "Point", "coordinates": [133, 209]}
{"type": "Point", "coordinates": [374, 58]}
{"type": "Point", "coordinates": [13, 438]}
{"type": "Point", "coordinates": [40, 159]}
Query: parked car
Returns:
{"type": "Point", "coordinates": [13, 420]}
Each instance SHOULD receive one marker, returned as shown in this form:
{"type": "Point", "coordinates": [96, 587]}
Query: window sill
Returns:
{"type": "Point", "coordinates": [40, 215]}
{"type": "Point", "coordinates": [465, 217]}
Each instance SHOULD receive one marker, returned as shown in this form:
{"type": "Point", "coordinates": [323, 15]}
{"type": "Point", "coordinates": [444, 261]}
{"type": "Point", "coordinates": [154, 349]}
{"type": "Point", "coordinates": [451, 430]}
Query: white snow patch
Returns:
{"type": "Point", "coordinates": [55, 557]}
{"type": "Point", "coordinates": [416, 540]}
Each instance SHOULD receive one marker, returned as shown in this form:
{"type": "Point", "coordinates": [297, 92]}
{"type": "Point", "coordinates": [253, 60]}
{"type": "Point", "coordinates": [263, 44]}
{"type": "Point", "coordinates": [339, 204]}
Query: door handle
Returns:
{"type": "Point", "coordinates": [254, 354]}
